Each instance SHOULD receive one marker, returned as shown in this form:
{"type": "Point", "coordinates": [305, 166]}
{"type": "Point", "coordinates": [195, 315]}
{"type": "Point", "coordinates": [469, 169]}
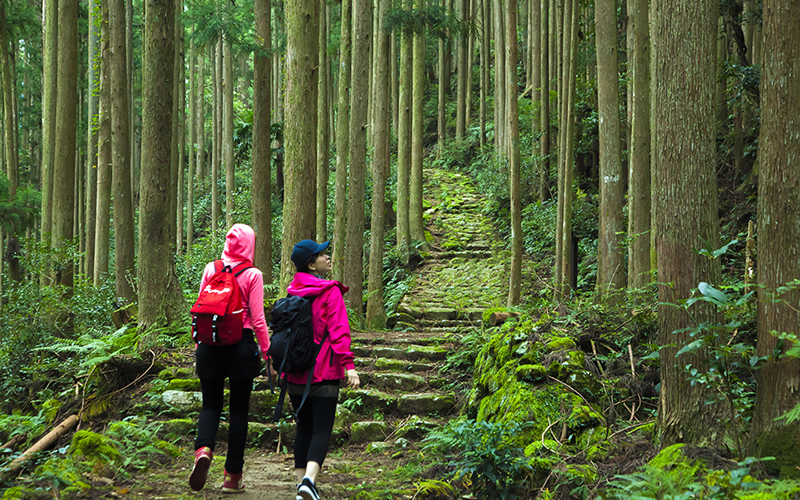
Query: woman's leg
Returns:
{"type": "Point", "coordinates": [237, 435]}
{"type": "Point", "coordinates": [209, 416]}
{"type": "Point", "coordinates": [305, 430]}
{"type": "Point", "coordinates": [324, 410]}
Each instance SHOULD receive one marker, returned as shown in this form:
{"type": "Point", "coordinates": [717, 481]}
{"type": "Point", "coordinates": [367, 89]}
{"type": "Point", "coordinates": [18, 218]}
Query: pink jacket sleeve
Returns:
{"type": "Point", "coordinates": [338, 327]}
{"type": "Point", "coordinates": [255, 309]}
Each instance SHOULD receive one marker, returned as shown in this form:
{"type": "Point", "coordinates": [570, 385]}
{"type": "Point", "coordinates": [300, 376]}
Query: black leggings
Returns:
{"type": "Point", "coordinates": [211, 412]}
{"type": "Point", "coordinates": [314, 427]}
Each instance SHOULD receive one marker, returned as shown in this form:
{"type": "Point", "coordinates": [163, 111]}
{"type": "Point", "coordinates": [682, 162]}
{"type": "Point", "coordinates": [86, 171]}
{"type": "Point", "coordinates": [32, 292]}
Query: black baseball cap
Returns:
{"type": "Point", "coordinates": [305, 249]}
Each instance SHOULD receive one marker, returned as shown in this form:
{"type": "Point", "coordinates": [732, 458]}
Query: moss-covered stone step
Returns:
{"type": "Point", "coordinates": [434, 312]}
{"type": "Point", "coordinates": [446, 256]}
{"type": "Point", "coordinates": [368, 431]}
{"type": "Point", "coordinates": [366, 401]}
{"type": "Point", "coordinates": [429, 403]}
{"type": "Point", "coordinates": [176, 403]}
{"type": "Point", "coordinates": [397, 381]}
{"type": "Point", "coordinates": [399, 365]}
{"type": "Point", "coordinates": [422, 338]}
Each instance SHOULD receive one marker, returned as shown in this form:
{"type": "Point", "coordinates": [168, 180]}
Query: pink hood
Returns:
{"type": "Point", "coordinates": [240, 246]}
{"type": "Point", "coordinates": [329, 314]}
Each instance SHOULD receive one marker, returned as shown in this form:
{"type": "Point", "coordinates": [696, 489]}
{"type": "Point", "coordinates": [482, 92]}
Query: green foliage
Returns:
{"type": "Point", "coordinates": [22, 212]}
{"type": "Point", "coordinates": [485, 454]}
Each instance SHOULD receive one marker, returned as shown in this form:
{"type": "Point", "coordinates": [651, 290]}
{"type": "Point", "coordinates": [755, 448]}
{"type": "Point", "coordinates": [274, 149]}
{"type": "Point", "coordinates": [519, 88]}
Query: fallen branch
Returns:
{"type": "Point", "coordinates": [498, 318]}
{"type": "Point", "coordinates": [41, 445]}
{"type": "Point", "coordinates": [14, 441]}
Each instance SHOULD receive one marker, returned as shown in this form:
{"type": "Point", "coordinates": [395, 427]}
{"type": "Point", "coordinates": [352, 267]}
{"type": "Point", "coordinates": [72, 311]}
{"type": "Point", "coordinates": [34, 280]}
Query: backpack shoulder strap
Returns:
{"type": "Point", "coordinates": [218, 265]}
{"type": "Point", "coordinates": [242, 270]}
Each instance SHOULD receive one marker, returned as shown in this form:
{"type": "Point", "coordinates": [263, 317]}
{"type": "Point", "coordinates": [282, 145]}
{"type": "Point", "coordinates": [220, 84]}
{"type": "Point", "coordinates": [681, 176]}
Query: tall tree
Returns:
{"type": "Point", "coordinates": [227, 130]}
{"type": "Point", "coordinates": [404, 144]}
{"type": "Point", "coordinates": [444, 83]}
{"type": "Point", "coordinates": [415, 223]}
{"type": "Point", "coordinates": [104, 175]}
{"type": "Point", "coordinates": [9, 121]}
{"type": "Point", "coordinates": [354, 268]}
{"type": "Point", "coordinates": [216, 129]}
{"type": "Point", "coordinates": [200, 122]}
{"type": "Point", "coordinates": [685, 206]}
{"type": "Point", "coordinates": [544, 111]}
{"type": "Point", "coordinates": [262, 156]}
{"type": "Point", "coordinates": [639, 162]}
{"type": "Point", "coordinates": [484, 58]}
{"type": "Point", "coordinates": [299, 216]}
{"type": "Point", "coordinates": [121, 153]}
{"type": "Point", "coordinates": [323, 132]}
{"type": "Point", "coordinates": [610, 263]}
{"type": "Point", "coordinates": [91, 132]}
{"type": "Point", "coordinates": [514, 160]}
{"type": "Point", "coordinates": [192, 129]}
{"type": "Point", "coordinates": [376, 314]}
{"type": "Point", "coordinates": [50, 64]}
{"type": "Point", "coordinates": [342, 142]}
{"type": "Point", "coordinates": [778, 233]}
{"type": "Point", "coordinates": [160, 298]}
{"type": "Point", "coordinates": [462, 91]}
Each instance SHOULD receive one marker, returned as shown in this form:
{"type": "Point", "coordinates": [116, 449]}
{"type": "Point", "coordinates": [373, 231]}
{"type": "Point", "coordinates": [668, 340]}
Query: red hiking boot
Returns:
{"type": "Point", "coordinates": [202, 461]}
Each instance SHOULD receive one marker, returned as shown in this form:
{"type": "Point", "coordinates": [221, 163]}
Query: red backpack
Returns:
{"type": "Point", "coordinates": [217, 314]}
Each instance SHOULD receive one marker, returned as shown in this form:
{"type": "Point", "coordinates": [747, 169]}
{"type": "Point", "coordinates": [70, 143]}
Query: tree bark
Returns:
{"type": "Point", "coordinates": [354, 268]}
{"type": "Point", "coordinates": [192, 144]}
{"type": "Point", "coordinates": [544, 111]}
{"type": "Point", "coordinates": [121, 154]}
{"type": "Point", "coordinates": [161, 299]}
{"type": "Point", "coordinates": [66, 114]}
{"type": "Point", "coordinates": [461, 97]}
{"type": "Point", "coordinates": [685, 205]}
{"type": "Point", "coordinates": [342, 143]}
{"type": "Point", "coordinates": [216, 131]}
{"type": "Point", "coordinates": [323, 135]}
{"type": "Point", "coordinates": [302, 53]}
{"type": "Point", "coordinates": [227, 130]}
{"type": "Point", "coordinates": [9, 122]}
{"type": "Point", "coordinates": [610, 263]}
{"type": "Point", "coordinates": [484, 58]}
{"type": "Point", "coordinates": [104, 174]}
{"type": "Point", "coordinates": [376, 315]}
{"type": "Point", "coordinates": [639, 163]}
{"type": "Point", "coordinates": [200, 121]}
{"type": "Point", "coordinates": [404, 146]}
{"type": "Point", "coordinates": [50, 63]}
{"type": "Point", "coordinates": [262, 154]}
{"type": "Point", "coordinates": [94, 63]}
{"type": "Point", "coordinates": [500, 97]}
{"type": "Point", "coordinates": [514, 160]}
{"type": "Point", "coordinates": [415, 224]}
{"type": "Point", "coordinates": [778, 235]}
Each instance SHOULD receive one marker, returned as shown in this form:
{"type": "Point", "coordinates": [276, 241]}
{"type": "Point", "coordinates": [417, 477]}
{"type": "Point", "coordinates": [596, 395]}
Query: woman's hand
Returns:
{"type": "Point", "coordinates": [352, 379]}
{"type": "Point", "coordinates": [270, 369]}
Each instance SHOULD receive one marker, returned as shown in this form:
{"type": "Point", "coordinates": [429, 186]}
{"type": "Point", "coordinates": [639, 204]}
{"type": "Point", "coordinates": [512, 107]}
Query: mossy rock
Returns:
{"type": "Point", "coordinates": [365, 432]}
{"type": "Point", "coordinates": [378, 448]}
{"type": "Point", "coordinates": [175, 372]}
{"type": "Point", "coordinates": [344, 417]}
{"type": "Point", "coordinates": [94, 448]}
{"type": "Point", "coordinates": [168, 448]}
{"type": "Point", "coordinates": [672, 458]}
{"type": "Point", "coordinates": [584, 473]}
{"type": "Point", "coordinates": [559, 343]}
{"type": "Point", "coordinates": [368, 400]}
{"type": "Point", "coordinates": [184, 384]}
{"type": "Point", "coordinates": [259, 434]}
{"type": "Point", "coordinates": [426, 404]}
{"type": "Point", "coordinates": [783, 444]}
{"type": "Point", "coordinates": [516, 401]}
{"type": "Point", "coordinates": [179, 426]}
{"type": "Point", "coordinates": [584, 417]}
{"type": "Point", "coordinates": [398, 381]}
{"type": "Point", "coordinates": [430, 353]}
{"type": "Point", "coordinates": [531, 374]}
{"type": "Point", "coordinates": [415, 428]}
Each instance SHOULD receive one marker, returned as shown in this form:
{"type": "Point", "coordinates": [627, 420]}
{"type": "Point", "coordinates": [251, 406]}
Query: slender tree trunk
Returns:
{"type": "Point", "coordinates": [639, 176]}
{"type": "Point", "coordinates": [404, 145]}
{"type": "Point", "coordinates": [470, 59]}
{"type": "Point", "coordinates": [534, 64]}
{"type": "Point", "coordinates": [376, 315]}
{"type": "Point", "coordinates": [299, 216]}
{"type": "Point", "coordinates": [500, 97]}
{"type": "Point", "coordinates": [461, 107]}
{"type": "Point", "coordinates": [121, 154]}
{"type": "Point", "coordinates": [514, 160]}
{"type": "Point", "coordinates": [415, 223]}
{"type": "Point", "coordinates": [779, 235]}
{"type": "Point", "coordinates": [174, 186]}
{"type": "Point", "coordinates": [395, 81]}
{"type": "Point", "coordinates": [262, 154]}
{"type": "Point", "coordinates": [216, 132]}
{"type": "Point", "coordinates": [66, 111]}
{"type": "Point", "coordinates": [104, 175]}
{"type": "Point", "coordinates": [227, 128]}
{"type": "Point", "coordinates": [181, 136]}
{"type": "Point", "coordinates": [610, 263]}
{"type": "Point", "coordinates": [342, 143]}
{"type": "Point", "coordinates": [50, 63]}
{"type": "Point", "coordinates": [685, 206]}
{"type": "Point", "coordinates": [200, 121]}
{"type": "Point", "coordinates": [441, 121]}
{"type": "Point", "coordinates": [9, 122]}
{"type": "Point", "coordinates": [544, 111]}
{"type": "Point", "coordinates": [358, 151]}
{"type": "Point", "coordinates": [94, 63]}
{"type": "Point", "coordinates": [323, 136]}
{"type": "Point", "coordinates": [484, 67]}
{"type": "Point", "coordinates": [161, 300]}
{"type": "Point", "coordinates": [192, 144]}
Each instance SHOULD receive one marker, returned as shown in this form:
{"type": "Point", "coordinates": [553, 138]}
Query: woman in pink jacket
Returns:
{"type": "Point", "coordinates": [241, 363]}
{"type": "Point", "coordinates": [334, 363]}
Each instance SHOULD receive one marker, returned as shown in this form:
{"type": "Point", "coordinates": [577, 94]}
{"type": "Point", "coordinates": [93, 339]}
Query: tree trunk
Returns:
{"type": "Point", "coordinates": [461, 98]}
{"type": "Point", "coordinates": [181, 135]}
{"type": "Point", "coordinates": [415, 222]}
{"type": "Point", "coordinates": [323, 136]}
{"type": "Point", "coordinates": [610, 263]}
{"type": "Point", "coordinates": [441, 116]}
{"type": "Point", "coordinates": [342, 143]}
{"type": "Point", "coordinates": [50, 63]}
{"type": "Point", "coordinates": [216, 132]}
{"type": "Point", "coordinates": [191, 151]}
{"type": "Point", "coordinates": [161, 299]}
{"type": "Point", "coordinates": [358, 155]}
{"type": "Point", "coordinates": [639, 176]}
{"type": "Point", "coordinates": [544, 111]}
{"type": "Point", "coordinates": [94, 63]}
{"type": "Point", "coordinates": [685, 205]}
{"type": "Point", "coordinates": [200, 121]}
{"type": "Point", "coordinates": [404, 145]}
{"type": "Point", "coordinates": [500, 97]}
{"type": "Point", "coordinates": [484, 58]}
{"type": "Point", "coordinates": [262, 154]}
{"type": "Point", "coordinates": [227, 129]}
{"type": "Point", "coordinates": [514, 160]}
{"type": "Point", "coordinates": [302, 50]}
{"type": "Point", "coordinates": [779, 235]}
{"type": "Point", "coordinates": [470, 60]}
{"type": "Point", "coordinates": [9, 128]}
{"type": "Point", "coordinates": [66, 111]}
{"type": "Point", "coordinates": [121, 154]}
{"type": "Point", "coordinates": [376, 315]}
{"type": "Point", "coordinates": [103, 213]}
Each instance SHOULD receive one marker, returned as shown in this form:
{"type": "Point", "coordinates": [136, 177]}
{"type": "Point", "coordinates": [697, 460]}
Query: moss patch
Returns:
{"type": "Point", "coordinates": [94, 448]}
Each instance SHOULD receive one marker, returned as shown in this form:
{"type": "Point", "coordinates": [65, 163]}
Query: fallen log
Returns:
{"type": "Point", "coordinates": [19, 438]}
{"type": "Point", "coordinates": [41, 445]}
{"type": "Point", "coordinates": [498, 318]}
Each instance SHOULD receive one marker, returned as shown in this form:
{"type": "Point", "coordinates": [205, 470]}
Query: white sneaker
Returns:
{"type": "Point", "coordinates": [307, 490]}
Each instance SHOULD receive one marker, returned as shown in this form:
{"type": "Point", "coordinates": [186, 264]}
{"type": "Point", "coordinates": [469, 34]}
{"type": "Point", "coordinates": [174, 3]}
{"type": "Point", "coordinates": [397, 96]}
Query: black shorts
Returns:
{"type": "Point", "coordinates": [239, 362]}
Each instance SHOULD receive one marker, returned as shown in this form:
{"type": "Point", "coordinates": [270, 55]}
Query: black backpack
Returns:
{"type": "Point", "coordinates": [292, 347]}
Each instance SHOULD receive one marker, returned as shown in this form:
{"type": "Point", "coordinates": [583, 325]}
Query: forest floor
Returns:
{"type": "Point", "coordinates": [462, 273]}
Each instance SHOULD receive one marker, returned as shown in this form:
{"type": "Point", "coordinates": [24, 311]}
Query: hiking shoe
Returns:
{"type": "Point", "coordinates": [232, 483]}
{"type": "Point", "coordinates": [202, 461]}
{"type": "Point", "coordinates": [307, 490]}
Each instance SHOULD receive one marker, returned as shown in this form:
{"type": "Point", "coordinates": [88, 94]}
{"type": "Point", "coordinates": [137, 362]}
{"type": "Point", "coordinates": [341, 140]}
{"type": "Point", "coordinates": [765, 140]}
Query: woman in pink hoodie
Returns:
{"type": "Point", "coordinates": [334, 364]}
{"type": "Point", "coordinates": [240, 362]}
